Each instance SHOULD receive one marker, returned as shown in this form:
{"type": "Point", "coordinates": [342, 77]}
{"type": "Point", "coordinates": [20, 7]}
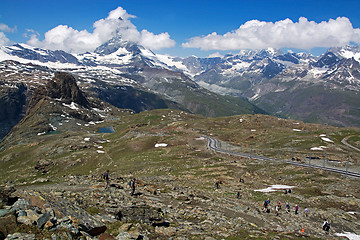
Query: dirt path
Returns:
{"type": "Point", "coordinates": [344, 141]}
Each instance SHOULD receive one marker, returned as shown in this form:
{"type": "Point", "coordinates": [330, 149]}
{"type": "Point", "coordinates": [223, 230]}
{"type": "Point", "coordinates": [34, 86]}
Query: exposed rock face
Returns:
{"type": "Point", "coordinates": [146, 214]}
{"type": "Point", "coordinates": [60, 208]}
{"type": "Point", "coordinates": [5, 195]}
{"type": "Point", "coordinates": [64, 87]}
{"type": "Point", "coordinates": [12, 106]}
{"type": "Point", "coordinates": [7, 225]}
{"type": "Point", "coordinates": [58, 105]}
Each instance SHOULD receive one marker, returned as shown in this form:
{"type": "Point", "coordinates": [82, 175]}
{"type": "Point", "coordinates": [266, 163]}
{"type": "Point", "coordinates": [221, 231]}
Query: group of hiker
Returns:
{"type": "Point", "coordinates": [278, 208]}
{"type": "Point", "coordinates": [326, 225]}
{"type": "Point", "coordinates": [132, 182]}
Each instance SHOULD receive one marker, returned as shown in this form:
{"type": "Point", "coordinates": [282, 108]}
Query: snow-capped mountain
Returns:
{"type": "Point", "coordinates": [122, 73]}
{"type": "Point", "coordinates": [271, 79]}
{"type": "Point", "coordinates": [255, 75]}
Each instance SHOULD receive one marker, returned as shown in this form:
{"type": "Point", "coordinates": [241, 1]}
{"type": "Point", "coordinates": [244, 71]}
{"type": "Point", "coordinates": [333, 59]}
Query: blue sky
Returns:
{"type": "Point", "coordinates": [183, 27]}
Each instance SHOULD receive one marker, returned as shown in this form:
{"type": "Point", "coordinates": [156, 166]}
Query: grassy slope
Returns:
{"type": "Point", "coordinates": [131, 147]}
{"type": "Point", "coordinates": [314, 104]}
{"type": "Point", "coordinates": [186, 161]}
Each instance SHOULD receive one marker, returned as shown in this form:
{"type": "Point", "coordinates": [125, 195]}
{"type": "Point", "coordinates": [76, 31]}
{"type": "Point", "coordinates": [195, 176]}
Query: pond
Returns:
{"type": "Point", "coordinates": [107, 130]}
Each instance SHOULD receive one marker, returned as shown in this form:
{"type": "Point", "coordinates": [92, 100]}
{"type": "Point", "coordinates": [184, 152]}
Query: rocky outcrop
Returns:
{"type": "Point", "coordinates": [64, 87]}
{"type": "Point", "coordinates": [57, 106]}
{"type": "Point", "coordinates": [12, 106]}
{"type": "Point", "coordinates": [8, 225]}
{"type": "Point", "coordinates": [145, 214]}
{"type": "Point", "coordinates": [5, 195]}
{"type": "Point", "coordinates": [53, 208]}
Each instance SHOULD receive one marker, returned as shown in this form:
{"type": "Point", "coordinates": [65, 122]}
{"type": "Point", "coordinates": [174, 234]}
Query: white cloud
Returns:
{"type": "Point", "coordinates": [6, 28]}
{"type": "Point", "coordinates": [3, 40]}
{"type": "Point", "coordinates": [214, 55]}
{"type": "Point", "coordinates": [303, 34]}
{"type": "Point", "coordinates": [118, 22]}
{"type": "Point", "coordinates": [156, 42]}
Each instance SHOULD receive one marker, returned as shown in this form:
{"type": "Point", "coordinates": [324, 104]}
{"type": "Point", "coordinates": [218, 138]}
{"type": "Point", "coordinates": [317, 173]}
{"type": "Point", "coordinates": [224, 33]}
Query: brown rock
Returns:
{"type": "Point", "coordinates": [26, 220]}
{"type": "Point", "coordinates": [105, 236]}
{"type": "Point", "coordinates": [48, 225]}
{"type": "Point", "coordinates": [7, 225]}
{"type": "Point", "coordinates": [5, 194]}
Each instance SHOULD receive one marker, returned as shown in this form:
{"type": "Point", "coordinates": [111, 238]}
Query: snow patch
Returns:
{"type": "Point", "coordinates": [171, 62]}
{"type": "Point", "coordinates": [317, 72]}
{"type": "Point", "coordinates": [53, 127]}
{"type": "Point", "coordinates": [349, 235]}
{"type": "Point", "coordinates": [161, 145]}
{"type": "Point", "coordinates": [274, 188]}
{"type": "Point", "coordinates": [99, 151]}
{"type": "Point", "coordinates": [72, 105]}
{"type": "Point", "coordinates": [297, 130]}
{"type": "Point", "coordinates": [86, 139]}
{"type": "Point", "coordinates": [327, 139]}
{"type": "Point", "coordinates": [321, 148]}
{"type": "Point", "coordinates": [352, 213]}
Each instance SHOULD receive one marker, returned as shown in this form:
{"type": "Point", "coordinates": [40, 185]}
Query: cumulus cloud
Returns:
{"type": "Point", "coordinates": [6, 28]}
{"type": "Point", "coordinates": [156, 42]}
{"type": "Point", "coordinates": [215, 55]}
{"type": "Point", "coordinates": [117, 22]}
{"type": "Point", "coordinates": [303, 34]}
{"type": "Point", "coordinates": [3, 40]}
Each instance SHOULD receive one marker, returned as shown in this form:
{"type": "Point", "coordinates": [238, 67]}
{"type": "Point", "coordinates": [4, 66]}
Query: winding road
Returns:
{"type": "Point", "coordinates": [344, 141]}
{"type": "Point", "coordinates": [214, 144]}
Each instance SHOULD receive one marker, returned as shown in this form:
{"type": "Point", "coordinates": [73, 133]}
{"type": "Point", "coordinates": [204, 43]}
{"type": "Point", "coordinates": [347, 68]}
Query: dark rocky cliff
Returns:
{"type": "Point", "coordinates": [12, 107]}
{"type": "Point", "coordinates": [63, 87]}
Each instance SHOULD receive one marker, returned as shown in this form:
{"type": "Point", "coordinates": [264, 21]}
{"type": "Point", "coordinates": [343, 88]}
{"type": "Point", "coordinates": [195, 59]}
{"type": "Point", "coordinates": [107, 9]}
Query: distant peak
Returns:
{"type": "Point", "coordinates": [115, 44]}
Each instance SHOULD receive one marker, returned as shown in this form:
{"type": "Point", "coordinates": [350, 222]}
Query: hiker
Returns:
{"type": "Point", "coordinates": [217, 184]}
{"type": "Point", "coordinates": [238, 195]}
{"type": "Point", "coordinates": [287, 207]}
{"type": "Point", "coordinates": [296, 209]}
{"type": "Point", "coordinates": [306, 212]}
{"type": "Point", "coordinates": [289, 190]}
{"type": "Point", "coordinates": [266, 205]}
{"type": "Point", "coordinates": [326, 226]}
{"type": "Point", "coordinates": [107, 179]}
{"type": "Point", "coordinates": [279, 205]}
{"type": "Point", "coordinates": [242, 180]}
{"type": "Point", "coordinates": [285, 191]}
{"type": "Point", "coordinates": [132, 184]}
{"type": "Point", "coordinates": [277, 210]}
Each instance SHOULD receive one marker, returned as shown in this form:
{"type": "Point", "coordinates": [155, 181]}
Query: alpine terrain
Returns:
{"type": "Point", "coordinates": [119, 72]}
{"type": "Point", "coordinates": [122, 143]}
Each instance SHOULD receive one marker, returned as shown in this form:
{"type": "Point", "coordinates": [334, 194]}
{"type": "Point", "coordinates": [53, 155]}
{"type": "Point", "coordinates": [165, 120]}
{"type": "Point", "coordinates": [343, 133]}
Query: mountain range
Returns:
{"type": "Point", "coordinates": [127, 75]}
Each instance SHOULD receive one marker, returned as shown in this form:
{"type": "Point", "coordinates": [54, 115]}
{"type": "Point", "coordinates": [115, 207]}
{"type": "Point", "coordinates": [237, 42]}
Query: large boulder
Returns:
{"type": "Point", "coordinates": [146, 214]}
{"type": "Point", "coordinates": [7, 225]}
{"type": "Point", "coordinates": [61, 208]}
{"type": "Point", "coordinates": [5, 195]}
